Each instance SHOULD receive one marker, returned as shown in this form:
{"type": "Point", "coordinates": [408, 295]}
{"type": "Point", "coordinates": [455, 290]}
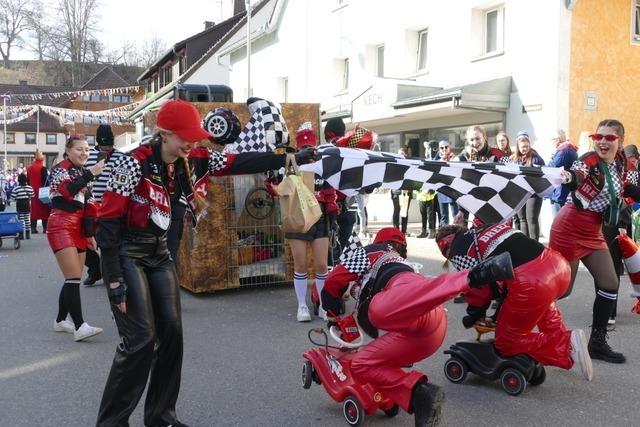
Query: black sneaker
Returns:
{"type": "Point", "coordinates": [459, 299]}
{"type": "Point", "coordinates": [422, 235]}
{"type": "Point", "coordinates": [426, 403]}
{"type": "Point", "coordinates": [90, 281]}
{"type": "Point", "coordinates": [601, 350]}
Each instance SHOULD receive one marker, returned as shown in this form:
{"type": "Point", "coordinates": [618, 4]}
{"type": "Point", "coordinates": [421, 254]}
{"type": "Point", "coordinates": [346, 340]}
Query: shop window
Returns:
{"type": "Point", "coordinates": [30, 138]}
{"type": "Point", "coordinates": [421, 60]}
{"type": "Point", "coordinates": [380, 61]}
{"type": "Point", "coordinates": [52, 139]}
{"type": "Point", "coordinates": [11, 138]}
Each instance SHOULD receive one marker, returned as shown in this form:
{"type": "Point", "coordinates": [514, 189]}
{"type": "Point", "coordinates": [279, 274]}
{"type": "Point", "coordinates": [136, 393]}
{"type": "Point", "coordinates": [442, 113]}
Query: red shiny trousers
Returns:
{"type": "Point", "coordinates": [410, 310]}
{"type": "Point", "coordinates": [530, 302]}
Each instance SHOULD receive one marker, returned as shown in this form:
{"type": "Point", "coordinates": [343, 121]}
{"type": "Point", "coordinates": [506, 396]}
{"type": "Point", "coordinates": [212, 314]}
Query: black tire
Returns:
{"type": "Point", "coordinates": [352, 411]}
{"type": "Point", "coordinates": [307, 374]}
{"type": "Point", "coordinates": [316, 307]}
{"type": "Point", "coordinates": [539, 375]}
{"type": "Point", "coordinates": [395, 409]}
{"type": "Point", "coordinates": [513, 382]}
{"type": "Point", "coordinates": [16, 243]}
{"type": "Point", "coordinates": [0, 242]}
{"type": "Point", "coordinates": [455, 370]}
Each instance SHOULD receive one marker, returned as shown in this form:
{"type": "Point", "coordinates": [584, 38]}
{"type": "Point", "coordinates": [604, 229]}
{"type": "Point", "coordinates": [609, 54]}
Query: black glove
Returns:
{"type": "Point", "coordinates": [117, 295]}
{"type": "Point", "coordinates": [306, 155]}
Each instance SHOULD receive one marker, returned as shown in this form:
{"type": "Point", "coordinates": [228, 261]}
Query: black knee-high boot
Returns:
{"type": "Point", "coordinates": [598, 346]}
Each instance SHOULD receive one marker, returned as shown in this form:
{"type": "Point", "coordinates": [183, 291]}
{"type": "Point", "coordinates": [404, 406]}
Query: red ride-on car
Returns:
{"type": "Point", "coordinates": [331, 366]}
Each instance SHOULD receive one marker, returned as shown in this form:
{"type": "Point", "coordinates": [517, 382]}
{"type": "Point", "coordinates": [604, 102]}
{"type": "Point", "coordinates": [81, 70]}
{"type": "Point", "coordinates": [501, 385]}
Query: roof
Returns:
{"type": "Point", "coordinates": [209, 36]}
{"type": "Point", "coordinates": [105, 78]}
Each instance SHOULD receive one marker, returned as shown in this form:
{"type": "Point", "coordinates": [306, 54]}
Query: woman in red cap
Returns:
{"type": "Point", "coordinates": [141, 279]}
{"type": "Point", "coordinates": [70, 231]}
{"type": "Point", "coordinates": [408, 306]}
{"type": "Point", "coordinates": [541, 276]}
{"type": "Point", "coordinates": [597, 182]}
{"type": "Point", "coordinates": [318, 235]}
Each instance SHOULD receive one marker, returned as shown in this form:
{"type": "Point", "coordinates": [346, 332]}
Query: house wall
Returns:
{"type": "Point", "coordinates": [605, 62]}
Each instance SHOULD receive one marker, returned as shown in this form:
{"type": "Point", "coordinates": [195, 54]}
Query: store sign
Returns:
{"type": "Point", "coordinates": [376, 102]}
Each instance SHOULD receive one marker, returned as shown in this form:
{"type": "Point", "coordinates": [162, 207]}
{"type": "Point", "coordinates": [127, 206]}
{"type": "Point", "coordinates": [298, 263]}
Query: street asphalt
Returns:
{"type": "Point", "coordinates": [242, 360]}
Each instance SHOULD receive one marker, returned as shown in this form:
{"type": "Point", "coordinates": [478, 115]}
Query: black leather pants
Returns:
{"type": "Point", "coordinates": [151, 334]}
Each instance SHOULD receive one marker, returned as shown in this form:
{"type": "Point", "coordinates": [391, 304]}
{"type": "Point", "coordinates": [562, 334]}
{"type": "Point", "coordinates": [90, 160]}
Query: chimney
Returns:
{"type": "Point", "coordinates": [23, 83]}
{"type": "Point", "coordinates": [239, 7]}
{"type": "Point", "coordinates": [208, 24]}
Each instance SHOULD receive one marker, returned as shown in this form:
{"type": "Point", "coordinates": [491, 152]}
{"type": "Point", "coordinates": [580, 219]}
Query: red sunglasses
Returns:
{"type": "Point", "coordinates": [600, 137]}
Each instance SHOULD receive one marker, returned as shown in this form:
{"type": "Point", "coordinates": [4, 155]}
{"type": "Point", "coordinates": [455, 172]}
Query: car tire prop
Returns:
{"type": "Point", "coordinates": [455, 370]}
{"type": "Point", "coordinates": [513, 382]}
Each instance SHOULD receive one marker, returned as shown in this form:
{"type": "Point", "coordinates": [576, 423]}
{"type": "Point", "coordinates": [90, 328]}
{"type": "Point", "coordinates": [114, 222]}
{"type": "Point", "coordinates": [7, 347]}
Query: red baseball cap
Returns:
{"type": "Point", "coordinates": [183, 119]}
{"type": "Point", "coordinates": [390, 234]}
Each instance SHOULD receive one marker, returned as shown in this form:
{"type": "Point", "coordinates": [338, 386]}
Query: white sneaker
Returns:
{"type": "Point", "coordinates": [64, 326]}
{"type": "Point", "coordinates": [580, 353]}
{"type": "Point", "coordinates": [303, 314]}
{"type": "Point", "coordinates": [322, 314]}
{"type": "Point", "coordinates": [85, 331]}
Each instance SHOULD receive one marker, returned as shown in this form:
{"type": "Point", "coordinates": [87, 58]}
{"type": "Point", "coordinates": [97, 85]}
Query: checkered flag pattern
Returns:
{"type": "Point", "coordinates": [491, 191]}
{"type": "Point", "coordinates": [355, 138]}
{"type": "Point", "coordinates": [357, 262]}
{"type": "Point", "coordinates": [265, 116]}
{"type": "Point", "coordinates": [463, 262]}
{"type": "Point", "coordinates": [349, 250]}
{"type": "Point", "coordinates": [125, 176]}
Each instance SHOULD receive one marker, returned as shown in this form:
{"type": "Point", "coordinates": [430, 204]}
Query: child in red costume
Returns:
{"type": "Point", "coordinates": [541, 276]}
{"type": "Point", "coordinates": [408, 306]}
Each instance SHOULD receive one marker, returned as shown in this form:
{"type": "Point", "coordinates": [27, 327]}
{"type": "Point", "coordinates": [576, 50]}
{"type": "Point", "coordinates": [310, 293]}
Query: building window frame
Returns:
{"type": "Point", "coordinates": [635, 22]}
{"type": "Point", "coordinates": [30, 138]}
{"type": "Point", "coordinates": [345, 75]}
{"type": "Point", "coordinates": [423, 49]}
{"type": "Point", "coordinates": [380, 60]}
{"type": "Point", "coordinates": [91, 140]}
{"type": "Point", "coordinates": [499, 31]}
{"type": "Point", "coordinates": [11, 137]}
{"type": "Point", "coordinates": [48, 139]}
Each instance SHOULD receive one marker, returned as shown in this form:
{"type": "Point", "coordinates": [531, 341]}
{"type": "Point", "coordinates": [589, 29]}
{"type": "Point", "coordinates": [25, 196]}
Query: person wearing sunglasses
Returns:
{"type": "Point", "coordinates": [446, 203]}
{"type": "Point", "coordinates": [597, 182]}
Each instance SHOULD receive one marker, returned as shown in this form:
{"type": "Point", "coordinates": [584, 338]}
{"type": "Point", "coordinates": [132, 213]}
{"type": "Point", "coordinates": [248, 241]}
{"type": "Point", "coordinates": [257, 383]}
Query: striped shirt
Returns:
{"type": "Point", "coordinates": [100, 183]}
{"type": "Point", "coordinates": [23, 194]}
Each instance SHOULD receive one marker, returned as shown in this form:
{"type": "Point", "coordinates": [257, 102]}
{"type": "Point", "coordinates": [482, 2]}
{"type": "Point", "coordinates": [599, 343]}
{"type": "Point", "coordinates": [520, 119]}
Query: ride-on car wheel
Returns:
{"type": "Point", "coordinates": [392, 412]}
{"type": "Point", "coordinates": [0, 242]}
{"type": "Point", "coordinates": [352, 411]}
{"type": "Point", "coordinates": [307, 374]}
{"type": "Point", "coordinates": [539, 375]}
{"type": "Point", "coordinates": [512, 381]}
{"type": "Point", "coordinates": [455, 370]}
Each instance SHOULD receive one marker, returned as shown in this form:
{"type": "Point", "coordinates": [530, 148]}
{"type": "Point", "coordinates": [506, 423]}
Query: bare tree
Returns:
{"type": "Point", "coordinates": [13, 23]}
{"type": "Point", "coordinates": [151, 50]}
{"type": "Point", "coordinates": [39, 40]}
{"type": "Point", "coordinates": [76, 37]}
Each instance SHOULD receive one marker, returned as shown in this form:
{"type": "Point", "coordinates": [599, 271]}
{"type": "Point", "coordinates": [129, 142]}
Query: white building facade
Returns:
{"type": "Point", "coordinates": [414, 71]}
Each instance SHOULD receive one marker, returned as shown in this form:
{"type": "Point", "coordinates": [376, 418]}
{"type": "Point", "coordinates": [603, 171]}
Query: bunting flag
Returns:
{"type": "Point", "coordinates": [118, 115]}
{"type": "Point", "coordinates": [75, 93]}
{"type": "Point", "coordinates": [20, 118]}
{"type": "Point", "coordinates": [491, 191]}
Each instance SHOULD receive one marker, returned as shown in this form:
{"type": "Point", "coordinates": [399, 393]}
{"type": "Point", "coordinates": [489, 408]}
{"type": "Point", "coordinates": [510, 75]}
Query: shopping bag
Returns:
{"type": "Point", "coordinates": [298, 205]}
{"type": "Point", "coordinates": [43, 195]}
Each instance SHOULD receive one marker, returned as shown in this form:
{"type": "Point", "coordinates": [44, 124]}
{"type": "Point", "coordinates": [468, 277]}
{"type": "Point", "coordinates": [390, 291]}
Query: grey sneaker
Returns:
{"type": "Point", "coordinates": [64, 326]}
{"type": "Point", "coordinates": [86, 331]}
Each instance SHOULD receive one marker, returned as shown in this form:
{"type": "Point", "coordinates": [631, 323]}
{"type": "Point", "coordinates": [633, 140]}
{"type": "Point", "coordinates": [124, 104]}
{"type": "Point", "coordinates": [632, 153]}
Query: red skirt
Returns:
{"type": "Point", "coordinates": [65, 230]}
{"type": "Point", "coordinates": [576, 233]}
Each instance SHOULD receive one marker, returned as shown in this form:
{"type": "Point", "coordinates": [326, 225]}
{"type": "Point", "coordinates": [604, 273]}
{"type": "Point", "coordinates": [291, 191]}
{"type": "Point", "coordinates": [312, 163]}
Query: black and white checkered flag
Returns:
{"type": "Point", "coordinates": [349, 250]}
{"type": "Point", "coordinates": [266, 120]}
{"type": "Point", "coordinates": [491, 191]}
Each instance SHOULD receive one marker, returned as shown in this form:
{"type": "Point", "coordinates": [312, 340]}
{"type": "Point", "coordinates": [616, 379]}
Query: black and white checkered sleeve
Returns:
{"type": "Point", "coordinates": [125, 176]}
{"type": "Point", "coordinates": [358, 263]}
{"type": "Point", "coordinates": [217, 161]}
{"type": "Point", "coordinates": [463, 262]}
{"type": "Point", "coordinates": [57, 177]}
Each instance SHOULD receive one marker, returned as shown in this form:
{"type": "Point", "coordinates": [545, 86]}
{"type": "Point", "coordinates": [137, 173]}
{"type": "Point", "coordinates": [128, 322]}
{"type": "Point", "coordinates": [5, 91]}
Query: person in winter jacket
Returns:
{"type": "Point", "coordinates": [566, 153]}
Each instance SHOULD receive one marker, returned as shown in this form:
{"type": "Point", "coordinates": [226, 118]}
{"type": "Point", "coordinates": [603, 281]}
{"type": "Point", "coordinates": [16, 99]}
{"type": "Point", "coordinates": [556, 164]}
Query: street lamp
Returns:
{"type": "Point", "coordinates": [248, 6]}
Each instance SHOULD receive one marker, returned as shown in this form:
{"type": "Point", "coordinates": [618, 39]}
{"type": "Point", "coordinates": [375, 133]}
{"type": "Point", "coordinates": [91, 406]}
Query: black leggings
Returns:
{"type": "Point", "coordinates": [151, 334]}
{"type": "Point", "coordinates": [528, 218]}
{"type": "Point", "coordinates": [396, 213]}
